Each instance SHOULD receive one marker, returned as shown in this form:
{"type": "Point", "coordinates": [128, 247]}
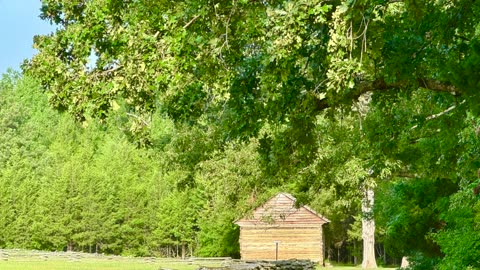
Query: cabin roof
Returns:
{"type": "Point", "coordinates": [280, 211]}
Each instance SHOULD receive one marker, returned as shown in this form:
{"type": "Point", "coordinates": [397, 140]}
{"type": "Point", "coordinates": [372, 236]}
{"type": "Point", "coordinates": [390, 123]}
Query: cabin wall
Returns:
{"type": "Point", "coordinates": [257, 243]}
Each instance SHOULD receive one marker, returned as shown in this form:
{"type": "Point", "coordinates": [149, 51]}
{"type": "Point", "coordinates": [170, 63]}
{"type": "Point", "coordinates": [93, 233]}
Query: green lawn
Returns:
{"type": "Point", "coordinates": [62, 265]}
{"type": "Point", "coordinates": [109, 265]}
{"type": "Point", "coordinates": [36, 260]}
{"type": "Point", "coordinates": [102, 263]}
{"type": "Point", "coordinates": [92, 265]}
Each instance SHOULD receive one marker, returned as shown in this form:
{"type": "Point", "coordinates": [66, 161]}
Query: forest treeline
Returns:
{"type": "Point", "coordinates": [89, 187]}
{"type": "Point", "coordinates": [175, 118]}
{"type": "Point", "coordinates": [67, 186]}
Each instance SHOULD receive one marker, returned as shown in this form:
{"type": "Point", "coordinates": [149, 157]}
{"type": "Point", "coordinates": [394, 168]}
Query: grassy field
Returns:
{"type": "Point", "coordinates": [103, 265]}
{"type": "Point", "coordinates": [98, 264]}
{"type": "Point", "coordinates": [91, 265]}
{"type": "Point", "coordinates": [35, 260]}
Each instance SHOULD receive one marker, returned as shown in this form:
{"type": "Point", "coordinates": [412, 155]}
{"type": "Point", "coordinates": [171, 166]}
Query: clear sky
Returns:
{"type": "Point", "coordinates": [19, 22]}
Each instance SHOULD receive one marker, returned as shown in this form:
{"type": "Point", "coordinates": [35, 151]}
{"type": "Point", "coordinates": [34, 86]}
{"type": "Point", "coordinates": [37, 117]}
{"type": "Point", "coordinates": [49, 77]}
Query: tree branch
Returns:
{"type": "Point", "coordinates": [379, 84]}
{"type": "Point", "coordinates": [406, 174]}
{"type": "Point", "coordinates": [443, 112]}
{"type": "Point", "coordinates": [435, 85]}
{"type": "Point", "coordinates": [108, 71]}
{"type": "Point", "coordinates": [191, 21]}
{"type": "Point", "coordinates": [139, 118]}
{"type": "Point", "coordinates": [433, 116]}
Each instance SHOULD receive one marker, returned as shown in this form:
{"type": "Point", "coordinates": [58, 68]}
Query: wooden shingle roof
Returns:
{"type": "Point", "coordinates": [281, 211]}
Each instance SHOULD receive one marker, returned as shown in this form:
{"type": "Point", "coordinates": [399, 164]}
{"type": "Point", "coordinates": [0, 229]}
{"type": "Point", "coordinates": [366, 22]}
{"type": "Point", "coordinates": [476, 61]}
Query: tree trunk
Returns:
{"type": "Point", "coordinates": [384, 255]}
{"type": "Point", "coordinates": [329, 254]}
{"type": "Point", "coordinates": [368, 230]}
{"type": "Point", "coordinates": [405, 262]}
{"type": "Point", "coordinates": [355, 261]}
{"type": "Point", "coordinates": [184, 251]}
{"type": "Point", "coordinates": [70, 246]}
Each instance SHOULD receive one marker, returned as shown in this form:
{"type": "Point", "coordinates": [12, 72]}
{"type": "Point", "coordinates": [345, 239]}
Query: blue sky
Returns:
{"type": "Point", "coordinates": [19, 22]}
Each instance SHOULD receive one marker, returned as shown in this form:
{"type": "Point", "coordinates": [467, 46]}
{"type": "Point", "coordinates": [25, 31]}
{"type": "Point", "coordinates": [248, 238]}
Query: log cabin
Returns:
{"type": "Point", "coordinates": [278, 230]}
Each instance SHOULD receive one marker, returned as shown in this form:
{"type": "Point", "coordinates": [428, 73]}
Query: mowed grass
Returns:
{"type": "Point", "coordinates": [38, 260]}
{"type": "Point", "coordinates": [59, 265]}
{"type": "Point", "coordinates": [103, 265]}
{"type": "Point", "coordinates": [34, 260]}
{"type": "Point", "coordinates": [89, 264]}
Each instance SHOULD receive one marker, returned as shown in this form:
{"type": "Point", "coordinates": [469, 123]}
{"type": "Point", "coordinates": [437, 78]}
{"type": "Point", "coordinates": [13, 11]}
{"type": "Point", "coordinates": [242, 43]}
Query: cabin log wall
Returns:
{"type": "Point", "coordinates": [294, 243]}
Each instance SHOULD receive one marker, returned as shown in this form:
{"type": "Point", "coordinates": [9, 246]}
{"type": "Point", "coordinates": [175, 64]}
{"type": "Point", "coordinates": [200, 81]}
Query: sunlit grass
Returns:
{"type": "Point", "coordinates": [64, 265]}
{"type": "Point", "coordinates": [92, 265]}
{"type": "Point", "coordinates": [103, 263]}
{"type": "Point", "coordinates": [33, 260]}
{"type": "Point", "coordinates": [108, 265]}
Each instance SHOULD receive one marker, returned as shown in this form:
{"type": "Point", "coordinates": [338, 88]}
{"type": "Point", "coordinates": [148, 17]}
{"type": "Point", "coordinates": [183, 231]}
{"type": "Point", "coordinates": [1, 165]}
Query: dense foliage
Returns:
{"type": "Point", "coordinates": [88, 188]}
{"type": "Point", "coordinates": [235, 99]}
